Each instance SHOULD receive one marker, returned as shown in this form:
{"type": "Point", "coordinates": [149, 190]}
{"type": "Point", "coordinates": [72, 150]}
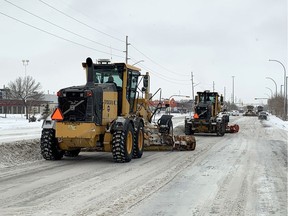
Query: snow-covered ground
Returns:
{"type": "Point", "coordinates": [17, 128]}
{"type": "Point", "coordinates": [238, 174]}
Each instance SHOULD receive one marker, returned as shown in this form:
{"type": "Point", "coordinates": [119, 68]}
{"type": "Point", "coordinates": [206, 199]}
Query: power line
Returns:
{"type": "Point", "coordinates": [162, 77]}
{"type": "Point", "coordinates": [88, 16]}
{"type": "Point", "coordinates": [61, 27]}
{"type": "Point", "coordinates": [159, 75]}
{"type": "Point", "coordinates": [67, 15]}
{"type": "Point", "coordinates": [109, 36]}
{"type": "Point", "coordinates": [172, 72]}
{"type": "Point", "coordinates": [57, 36]}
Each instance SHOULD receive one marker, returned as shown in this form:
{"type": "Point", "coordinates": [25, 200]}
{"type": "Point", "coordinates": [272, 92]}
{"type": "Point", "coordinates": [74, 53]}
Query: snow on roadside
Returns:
{"type": "Point", "coordinates": [19, 140]}
{"type": "Point", "coordinates": [274, 121]}
{"type": "Point", "coordinates": [19, 152]}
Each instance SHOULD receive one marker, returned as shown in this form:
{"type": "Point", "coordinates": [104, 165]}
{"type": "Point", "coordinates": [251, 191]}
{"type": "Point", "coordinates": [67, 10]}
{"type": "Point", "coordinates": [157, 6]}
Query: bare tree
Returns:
{"type": "Point", "coordinates": [27, 90]}
{"type": "Point", "coordinates": [275, 105]}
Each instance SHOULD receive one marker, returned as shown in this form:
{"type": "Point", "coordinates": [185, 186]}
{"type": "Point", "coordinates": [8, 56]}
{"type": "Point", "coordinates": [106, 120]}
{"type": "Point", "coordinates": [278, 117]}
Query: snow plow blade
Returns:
{"type": "Point", "coordinates": [167, 143]}
{"type": "Point", "coordinates": [232, 128]}
{"type": "Point", "coordinates": [159, 137]}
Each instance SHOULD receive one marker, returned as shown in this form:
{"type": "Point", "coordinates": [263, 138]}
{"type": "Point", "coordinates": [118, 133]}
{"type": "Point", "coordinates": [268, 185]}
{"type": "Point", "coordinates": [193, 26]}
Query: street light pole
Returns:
{"type": "Point", "coordinates": [137, 62]}
{"type": "Point", "coordinates": [25, 63]}
{"type": "Point", "coordinates": [270, 91]}
{"type": "Point", "coordinates": [274, 83]}
{"type": "Point", "coordinates": [233, 89]}
{"type": "Point", "coordinates": [285, 88]}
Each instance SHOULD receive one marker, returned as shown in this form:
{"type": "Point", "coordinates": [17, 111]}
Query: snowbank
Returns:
{"type": "Point", "coordinates": [274, 121]}
{"type": "Point", "coordinates": [19, 152]}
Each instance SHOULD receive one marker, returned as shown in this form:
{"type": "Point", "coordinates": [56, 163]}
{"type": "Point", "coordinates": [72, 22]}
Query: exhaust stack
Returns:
{"type": "Point", "coordinates": [89, 70]}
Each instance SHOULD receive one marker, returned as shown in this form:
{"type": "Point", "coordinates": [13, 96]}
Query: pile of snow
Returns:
{"type": "Point", "coordinates": [274, 121]}
{"type": "Point", "coordinates": [19, 152]}
{"type": "Point", "coordinates": [19, 140]}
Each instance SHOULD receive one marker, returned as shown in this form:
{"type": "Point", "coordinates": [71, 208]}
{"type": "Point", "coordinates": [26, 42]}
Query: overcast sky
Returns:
{"type": "Point", "coordinates": [214, 39]}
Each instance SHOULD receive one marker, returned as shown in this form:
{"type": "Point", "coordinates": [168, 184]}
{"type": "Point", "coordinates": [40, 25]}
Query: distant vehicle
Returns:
{"type": "Point", "coordinates": [250, 111]}
{"type": "Point", "coordinates": [235, 113]}
{"type": "Point", "coordinates": [259, 109]}
{"type": "Point", "coordinates": [262, 115]}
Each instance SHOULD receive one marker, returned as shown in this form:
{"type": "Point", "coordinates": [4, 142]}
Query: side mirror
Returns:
{"type": "Point", "coordinates": [196, 99]}
{"type": "Point", "coordinates": [146, 81]}
{"type": "Point", "coordinates": [221, 100]}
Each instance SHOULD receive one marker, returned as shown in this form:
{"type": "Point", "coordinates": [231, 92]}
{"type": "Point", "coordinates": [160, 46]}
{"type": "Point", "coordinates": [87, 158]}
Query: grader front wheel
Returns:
{"type": "Point", "coordinates": [122, 144]}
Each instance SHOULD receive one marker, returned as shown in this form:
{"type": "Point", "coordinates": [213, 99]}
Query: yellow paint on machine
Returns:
{"type": "Point", "coordinates": [81, 135]}
{"type": "Point", "coordinates": [109, 111]}
{"type": "Point", "coordinates": [78, 130]}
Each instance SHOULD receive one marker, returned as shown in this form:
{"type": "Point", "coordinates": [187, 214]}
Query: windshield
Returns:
{"type": "Point", "coordinates": [108, 75]}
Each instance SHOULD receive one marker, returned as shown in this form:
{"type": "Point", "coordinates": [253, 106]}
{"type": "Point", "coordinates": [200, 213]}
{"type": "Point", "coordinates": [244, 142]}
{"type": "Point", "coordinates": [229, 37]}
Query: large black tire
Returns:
{"type": "Point", "coordinates": [72, 153]}
{"type": "Point", "coordinates": [193, 146]}
{"type": "Point", "coordinates": [188, 128]}
{"type": "Point", "coordinates": [139, 141]}
{"type": "Point", "coordinates": [122, 144]}
{"type": "Point", "coordinates": [49, 145]}
{"type": "Point", "coordinates": [221, 129]}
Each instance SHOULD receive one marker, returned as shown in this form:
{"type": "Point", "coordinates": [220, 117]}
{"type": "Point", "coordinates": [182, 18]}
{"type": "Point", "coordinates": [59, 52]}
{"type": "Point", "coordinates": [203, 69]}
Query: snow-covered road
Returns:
{"type": "Point", "coordinates": [238, 174]}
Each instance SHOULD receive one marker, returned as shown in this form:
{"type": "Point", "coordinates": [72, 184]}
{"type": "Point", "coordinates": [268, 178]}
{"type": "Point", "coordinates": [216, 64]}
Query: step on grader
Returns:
{"type": "Point", "coordinates": [110, 113]}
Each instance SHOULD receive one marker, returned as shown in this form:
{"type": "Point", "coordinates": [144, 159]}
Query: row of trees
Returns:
{"type": "Point", "coordinates": [276, 105]}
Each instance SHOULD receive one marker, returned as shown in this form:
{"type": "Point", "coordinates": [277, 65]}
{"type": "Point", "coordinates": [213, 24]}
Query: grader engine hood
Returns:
{"type": "Point", "coordinates": [83, 103]}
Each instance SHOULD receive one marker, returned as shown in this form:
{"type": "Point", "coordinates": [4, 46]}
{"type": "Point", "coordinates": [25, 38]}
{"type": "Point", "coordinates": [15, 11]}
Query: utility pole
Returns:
{"type": "Point", "coordinates": [126, 51]}
{"type": "Point", "coordinates": [233, 89]}
{"type": "Point", "coordinates": [213, 86]}
{"type": "Point", "coordinates": [224, 96]}
{"type": "Point", "coordinates": [192, 86]}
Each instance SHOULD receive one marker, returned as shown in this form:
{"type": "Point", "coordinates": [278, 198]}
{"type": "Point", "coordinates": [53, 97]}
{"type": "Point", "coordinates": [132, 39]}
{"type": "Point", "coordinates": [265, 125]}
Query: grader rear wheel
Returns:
{"type": "Point", "coordinates": [188, 128]}
{"type": "Point", "coordinates": [49, 145]}
{"type": "Point", "coordinates": [122, 144]}
{"type": "Point", "coordinates": [221, 129]}
{"type": "Point", "coordinates": [139, 141]}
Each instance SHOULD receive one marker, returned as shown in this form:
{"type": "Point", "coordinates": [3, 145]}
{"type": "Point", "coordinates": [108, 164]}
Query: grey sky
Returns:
{"type": "Point", "coordinates": [216, 39]}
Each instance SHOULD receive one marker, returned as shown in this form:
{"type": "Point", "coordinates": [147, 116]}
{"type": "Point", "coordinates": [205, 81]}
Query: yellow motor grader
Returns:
{"type": "Point", "coordinates": [109, 113]}
{"type": "Point", "coordinates": [206, 118]}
